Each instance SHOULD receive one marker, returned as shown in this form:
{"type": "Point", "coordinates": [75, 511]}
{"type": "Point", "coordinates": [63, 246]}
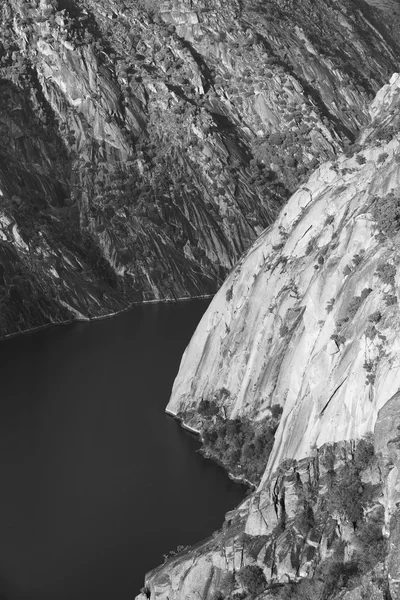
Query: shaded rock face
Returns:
{"type": "Point", "coordinates": [308, 320]}
{"type": "Point", "coordinates": [145, 145]}
{"type": "Point", "coordinates": [318, 535]}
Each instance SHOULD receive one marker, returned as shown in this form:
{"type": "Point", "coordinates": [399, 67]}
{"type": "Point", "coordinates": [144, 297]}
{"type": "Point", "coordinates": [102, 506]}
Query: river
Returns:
{"type": "Point", "coordinates": [97, 482]}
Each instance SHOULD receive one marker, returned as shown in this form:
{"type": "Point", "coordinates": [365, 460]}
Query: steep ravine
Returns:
{"type": "Point", "coordinates": [308, 320]}
{"type": "Point", "coordinates": [146, 145]}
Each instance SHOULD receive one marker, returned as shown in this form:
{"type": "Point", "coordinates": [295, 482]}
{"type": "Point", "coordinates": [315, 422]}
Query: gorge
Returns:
{"type": "Point", "coordinates": [144, 146]}
{"type": "Point", "coordinates": [308, 321]}
{"type": "Point", "coordinates": [248, 149]}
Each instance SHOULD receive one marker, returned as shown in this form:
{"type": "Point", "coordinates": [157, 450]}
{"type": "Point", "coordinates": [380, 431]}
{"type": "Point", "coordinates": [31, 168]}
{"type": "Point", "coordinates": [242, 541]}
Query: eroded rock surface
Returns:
{"type": "Point", "coordinates": [146, 145]}
{"type": "Point", "coordinates": [308, 320]}
{"type": "Point", "coordinates": [308, 313]}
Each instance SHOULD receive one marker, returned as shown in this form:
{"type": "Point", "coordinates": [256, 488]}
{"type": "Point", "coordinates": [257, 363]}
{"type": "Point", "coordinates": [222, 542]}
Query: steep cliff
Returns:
{"type": "Point", "coordinates": [307, 325]}
{"type": "Point", "coordinates": [145, 145]}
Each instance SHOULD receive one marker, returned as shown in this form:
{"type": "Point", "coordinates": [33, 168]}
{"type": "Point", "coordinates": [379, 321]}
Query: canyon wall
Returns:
{"type": "Point", "coordinates": [146, 145]}
{"type": "Point", "coordinates": [307, 322]}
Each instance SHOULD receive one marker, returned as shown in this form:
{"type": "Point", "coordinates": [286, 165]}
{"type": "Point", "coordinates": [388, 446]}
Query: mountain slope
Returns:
{"type": "Point", "coordinates": [145, 146]}
{"type": "Point", "coordinates": [307, 321]}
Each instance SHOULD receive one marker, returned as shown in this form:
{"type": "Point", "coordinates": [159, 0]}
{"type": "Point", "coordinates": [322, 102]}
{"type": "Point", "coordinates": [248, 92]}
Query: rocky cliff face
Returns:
{"type": "Point", "coordinates": [145, 145]}
{"type": "Point", "coordinates": [307, 321]}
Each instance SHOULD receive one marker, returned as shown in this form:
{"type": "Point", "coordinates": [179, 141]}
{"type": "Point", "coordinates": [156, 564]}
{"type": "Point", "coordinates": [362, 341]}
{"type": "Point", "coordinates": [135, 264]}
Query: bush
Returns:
{"type": "Point", "coordinates": [371, 332]}
{"type": "Point", "coordinates": [226, 587]}
{"type": "Point", "coordinates": [306, 589]}
{"type": "Point", "coordinates": [375, 317]}
{"type": "Point", "coordinates": [229, 294]}
{"type": "Point", "coordinates": [373, 544]}
{"type": "Point", "coordinates": [353, 307]}
{"type": "Point", "coordinates": [358, 258]}
{"type": "Point", "coordinates": [368, 365]}
{"type": "Point", "coordinates": [310, 246]}
{"type": "Point", "coordinates": [365, 293]}
{"type": "Point", "coordinates": [382, 157]}
{"type": "Point", "coordinates": [386, 212]}
{"type": "Point", "coordinates": [276, 411]}
{"type": "Point", "coordinates": [207, 408]}
{"type": "Point", "coordinates": [390, 299]}
{"type": "Point", "coordinates": [364, 453]}
{"type": "Point", "coordinates": [386, 272]}
{"type": "Point", "coordinates": [346, 494]}
{"type": "Point", "coordinates": [347, 270]}
{"type": "Point", "coordinates": [241, 446]}
{"type": "Point", "coordinates": [329, 305]}
{"type": "Point", "coordinates": [253, 579]}
{"type": "Point", "coordinates": [305, 520]}
{"type": "Point", "coordinates": [338, 338]}
{"type": "Point", "coordinates": [370, 379]}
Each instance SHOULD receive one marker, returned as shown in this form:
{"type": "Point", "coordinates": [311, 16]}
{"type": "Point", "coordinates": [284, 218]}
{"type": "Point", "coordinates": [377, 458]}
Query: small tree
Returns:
{"type": "Point", "coordinates": [253, 579]}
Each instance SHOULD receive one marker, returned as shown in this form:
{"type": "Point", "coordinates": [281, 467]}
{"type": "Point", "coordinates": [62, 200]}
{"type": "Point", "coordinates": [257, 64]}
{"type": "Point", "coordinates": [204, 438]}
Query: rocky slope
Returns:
{"type": "Point", "coordinates": [145, 145]}
{"type": "Point", "coordinates": [307, 321]}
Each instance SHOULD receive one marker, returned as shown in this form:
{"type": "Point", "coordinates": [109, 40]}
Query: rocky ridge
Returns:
{"type": "Point", "coordinates": [145, 146]}
{"type": "Point", "coordinates": [308, 320]}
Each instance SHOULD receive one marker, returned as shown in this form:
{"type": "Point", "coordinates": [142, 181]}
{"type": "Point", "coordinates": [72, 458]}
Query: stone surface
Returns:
{"type": "Point", "coordinates": [267, 336]}
{"type": "Point", "coordinates": [145, 146]}
{"type": "Point", "coordinates": [308, 319]}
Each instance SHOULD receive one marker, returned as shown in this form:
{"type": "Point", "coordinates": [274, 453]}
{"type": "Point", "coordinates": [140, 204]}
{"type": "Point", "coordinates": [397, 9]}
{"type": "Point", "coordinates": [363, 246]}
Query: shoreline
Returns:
{"type": "Point", "coordinates": [239, 479]}
{"type": "Point", "coordinates": [101, 317]}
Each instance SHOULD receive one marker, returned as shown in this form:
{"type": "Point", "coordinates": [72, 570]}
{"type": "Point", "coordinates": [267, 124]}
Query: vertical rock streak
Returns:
{"type": "Point", "coordinates": [308, 320]}
{"type": "Point", "coordinates": [145, 146]}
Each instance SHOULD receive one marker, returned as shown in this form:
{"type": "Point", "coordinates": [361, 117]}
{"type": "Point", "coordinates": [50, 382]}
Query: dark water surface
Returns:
{"type": "Point", "coordinates": [96, 482]}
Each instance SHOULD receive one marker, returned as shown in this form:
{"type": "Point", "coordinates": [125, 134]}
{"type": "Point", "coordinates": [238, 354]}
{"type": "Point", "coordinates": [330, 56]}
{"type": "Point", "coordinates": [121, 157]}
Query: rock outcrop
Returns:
{"type": "Point", "coordinates": [308, 320]}
{"type": "Point", "coordinates": [146, 145]}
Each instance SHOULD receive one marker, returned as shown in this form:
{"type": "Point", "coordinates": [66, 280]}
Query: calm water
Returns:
{"type": "Point", "coordinates": [96, 482]}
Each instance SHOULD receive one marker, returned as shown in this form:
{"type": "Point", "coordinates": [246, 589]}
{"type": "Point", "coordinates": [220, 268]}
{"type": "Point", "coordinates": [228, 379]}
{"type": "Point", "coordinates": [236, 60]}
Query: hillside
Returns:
{"type": "Point", "coordinates": [146, 145]}
{"type": "Point", "coordinates": [296, 362]}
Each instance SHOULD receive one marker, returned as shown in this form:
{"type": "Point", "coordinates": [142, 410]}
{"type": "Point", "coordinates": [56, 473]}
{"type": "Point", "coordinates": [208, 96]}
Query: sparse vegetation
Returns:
{"type": "Point", "coordinates": [382, 157]}
{"type": "Point", "coordinates": [338, 338]}
{"type": "Point", "coordinates": [310, 246]}
{"type": "Point", "coordinates": [390, 299]}
{"type": "Point", "coordinates": [253, 579]}
{"type": "Point", "coordinates": [229, 294]}
{"type": "Point", "coordinates": [330, 304]}
{"type": "Point", "coordinates": [329, 220]}
{"type": "Point", "coordinates": [346, 499]}
{"type": "Point", "coordinates": [371, 332]}
{"type": "Point", "coordinates": [386, 212]}
{"type": "Point", "coordinates": [386, 272]}
{"type": "Point", "coordinates": [375, 317]}
{"type": "Point", "coordinates": [241, 445]}
{"type": "Point", "coordinates": [347, 270]}
{"type": "Point", "coordinates": [352, 308]}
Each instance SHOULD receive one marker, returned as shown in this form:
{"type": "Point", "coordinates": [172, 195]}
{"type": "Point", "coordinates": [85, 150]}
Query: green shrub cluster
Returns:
{"type": "Point", "coordinates": [330, 305]}
{"type": "Point", "coordinates": [390, 299]}
{"type": "Point", "coordinates": [386, 212]}
{"type": "Point", "coordinates": [373, 544]}
{"type": "Point", "coordinates": [241, 445]}
{"type": "Point", "coordinates": [252, 579]}
{"type": "Point", "coordinates": [386, 272]}
{"type": "Point", "coordinates": [347, 493]}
